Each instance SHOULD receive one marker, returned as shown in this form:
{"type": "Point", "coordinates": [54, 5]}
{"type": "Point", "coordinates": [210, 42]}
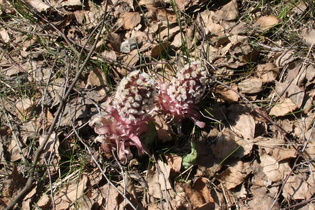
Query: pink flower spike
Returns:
{"type": "Point", "coordinates": [127, 116]}
{"type": "Point", "coordinates": [179, 97]}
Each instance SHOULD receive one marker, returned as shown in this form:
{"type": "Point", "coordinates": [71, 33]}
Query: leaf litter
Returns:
{"type": "Point", "coordinates": [257, 146]}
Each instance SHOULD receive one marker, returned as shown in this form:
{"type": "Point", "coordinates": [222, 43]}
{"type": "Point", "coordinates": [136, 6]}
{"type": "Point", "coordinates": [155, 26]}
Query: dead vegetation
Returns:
{"type": "Point", "coordinates": [62, 60]}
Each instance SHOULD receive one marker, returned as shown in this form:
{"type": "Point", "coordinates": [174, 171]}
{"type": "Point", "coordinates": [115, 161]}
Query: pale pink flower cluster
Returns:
{"type": "Point", "coordinates": [179, 97]}
{"type": "Point", "coordinates": [136, 100]}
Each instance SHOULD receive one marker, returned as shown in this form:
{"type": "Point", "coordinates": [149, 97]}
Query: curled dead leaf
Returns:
{"type": "Point", "coordinates": [267, 72]}
{"type": "Point", "coordinates": [228, 12]}
{"type": "Point", "coordinates": [129, 20]}
{"type": "Point", "coordinates": [4, 35]}
{"type": "Point", "coordinates": [174, 161]}
{"type": "Point", "coordinates": [309, 37]}
{"type": "Point", "coordinates": [234, 175]}
{"type": "Point", "coordinates": [266, 22]}
{"type": "Point", "coordinates": [274, 170]}
{"type": "Point", "coordinates": [251, 85]}
{"type": "Point", "coordinates": [299, 187]}
{"type": "Point", "coordinates": [292, 91]}
{"type": "Point", "coordinates": [245, 126]}
{"type": "Point", "coordinates": [158, 181]}
{"type": "Point", "coordinates": [227, 94]}
{"type": "Point", "coordinates": [70, 193]}
{"type": "Point", "coordinates": [160, 49]}
{"type": "Point", "coordinates": [24, 108]}
{"type": "Point", "coordinates": [96, 78]}
{"type": "Point", "coordinates": [39, 5]}
{"type": "Point", "coordinates": [283, 108]}
{"type": "Point", "coordinates": [285, 58]}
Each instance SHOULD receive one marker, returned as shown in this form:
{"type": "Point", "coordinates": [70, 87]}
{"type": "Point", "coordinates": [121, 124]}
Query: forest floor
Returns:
{"type": "Point", "coordinates": [60, 62]}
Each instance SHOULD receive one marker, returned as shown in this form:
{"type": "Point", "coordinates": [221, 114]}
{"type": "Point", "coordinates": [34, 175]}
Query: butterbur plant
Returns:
{"type": "Point", "coordinates": [127, 116]}
{"type": "Point", "coordinates": [138, 97]}
{"type": "Point", "coordinates": [178, 98]}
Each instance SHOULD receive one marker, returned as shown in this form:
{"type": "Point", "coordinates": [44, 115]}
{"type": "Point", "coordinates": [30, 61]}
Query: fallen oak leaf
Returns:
{"type": "Point", "coordinates": [283, 108]}
{"type": "Point", "coordinates": [129, 20]}
{"type": "Point", "coordinates": [266, 22]}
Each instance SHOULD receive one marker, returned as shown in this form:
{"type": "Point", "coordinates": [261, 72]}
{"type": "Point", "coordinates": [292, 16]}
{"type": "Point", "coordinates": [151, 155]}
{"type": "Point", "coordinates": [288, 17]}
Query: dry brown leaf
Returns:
{"type": "Point", "coordinates": [234, 175]}
{"type": "Point", "coordinates": [262, 199]}
{"type": "Point", "coordinates": [285, 58]}
{"type": "Point", "coordinates": [163, 128]}
{"type": "Point", "coordinates": [44, 202]}
{"type": "Point", "coordinates": [266, 22]}
{"type": "Point", "coordinates": [224, 145]}
{"type": "Point", "coordinates": [12, 70]}
{"type": "Point", "coordinates": [281, 154]}
{"type": "Point", "coordinates": [245, 126]}
{"type": "Point", "coordinates": [109, 55]}
{"type": "Point", "coordinates": [174, 161]}
{"type": "Point", "coordinates": [282, 108]}
{"type": "Point", "coordinates": [169, 32]}
{"type": "Point", "coordinates": [240, 28]}
{"type": "Point", "coordinates": [181, 4]}
{"type": "Point", "coordinates": [70, 193]}
{"type": "Point", "coordinates": [24, 108]}
{"type": "Point", "coordinates": [160, 49]}
{"type": "Point", "coordinates": [310, 75]}
{"type": "Point", "coordinates": [4, 35]}
{"type": "Point", "coordinates": [14, 151]}
{"type": "Point", "coordinates": [299, 187]}
{"type": "Point", "coordinates": [211, 26]}
{"type": "Point", "coordinates": [310, 137]}
{"type": "Point", "coordinates": [228, 95]}
{"type": "Point", "coordinates": [91, 16]}
{"type": "Point", "coordinates": [199, 195]}
{"type": "Point", "coordinates": [115, 41]}
{"type": "Point", "coordinates": [129, 20]}
{"type": "Point", "coordinates": [56, 90]}
{"type": "Point", "coordinates": [300, 8]}
{"type": "Point", "coordinates": [132, 58]}
{"type": "Point", "coordinates": [274, 170]}
{"type": "Point", "coordinates": [309, 37]}
{"type": "Point", "coordinates": [71, 3]}
{"type": "Point", "coordinates": [39, 5]}
{"type": "Point", "coordinates": [251, 85]}
{"type": "Point", "coordinates": [52, 146]}
{"type": "Point", "coordinates": [44, 120]}
{"type": "Point", "coordinates": [96, 78]}
{"type": "Point", "coordinates": [166, 16]}
{"type": "Point", "coordinates": [13, 183]}
{"type": "Point", "coordinates": [267, 72]}
{"type": "Point", "coordinates": [194, 196]}
{"type": "Point", "coordinates": [158, 181]}
{"type": "Point", "coordinates": [147, 3]}
{"type": "Point", "coordinates": [27, 201]}
{"type": "Point", "coordinates": [228, 12]}
{"type": "Point", "coordinates": [107, 195]}
{"type": "Point", "coordinates": [291, 90]}
{"type": "Point", "coordinates": [201, 186]}
{"type": "Point", "coordinates": [177, 42]}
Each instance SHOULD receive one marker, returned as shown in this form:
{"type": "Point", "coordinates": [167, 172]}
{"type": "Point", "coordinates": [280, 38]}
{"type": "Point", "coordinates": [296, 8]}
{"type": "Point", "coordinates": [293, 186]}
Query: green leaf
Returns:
{"type": "Point", "coordinates": [190, 159]}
